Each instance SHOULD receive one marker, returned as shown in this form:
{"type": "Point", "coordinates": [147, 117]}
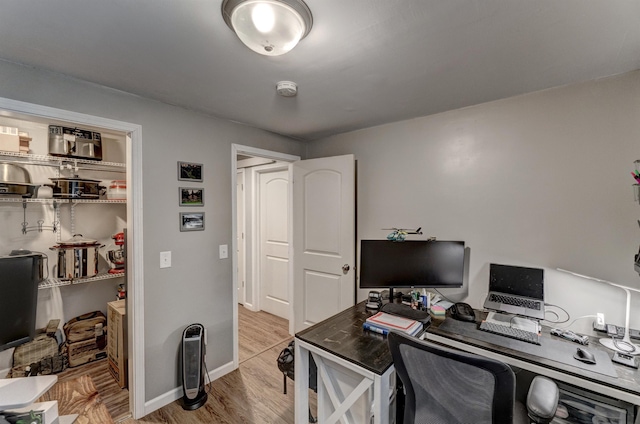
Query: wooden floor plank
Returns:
{"type": "Point", "coordinates": [252, 394]}
{"type": "Point", "coordinates": [115, 399]}
{"type": "Point", "coordinates": [79, 396]}
{"type": "Point", "coordinates": [258, 331]}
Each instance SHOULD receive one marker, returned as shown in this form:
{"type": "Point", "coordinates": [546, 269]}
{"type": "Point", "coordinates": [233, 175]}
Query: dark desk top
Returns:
{"type": "Point", "coordinates": [342, 335]}
{"type": "Point", "coordinates": [628, 379]}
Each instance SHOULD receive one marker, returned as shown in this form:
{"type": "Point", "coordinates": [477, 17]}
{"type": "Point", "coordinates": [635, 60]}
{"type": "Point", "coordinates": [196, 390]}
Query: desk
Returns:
{"type": "Point", "coordinates": [626, 387]}
{"type": "Point", "coordinates": [356, 377]}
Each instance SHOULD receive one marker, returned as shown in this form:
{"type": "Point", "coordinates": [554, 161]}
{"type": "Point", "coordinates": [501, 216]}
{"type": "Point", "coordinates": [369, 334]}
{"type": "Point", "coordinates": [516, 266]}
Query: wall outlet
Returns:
{"type": "Point", "coordinates": [165, 259]}
{"type": "Point", "coordinates": [599, 324]}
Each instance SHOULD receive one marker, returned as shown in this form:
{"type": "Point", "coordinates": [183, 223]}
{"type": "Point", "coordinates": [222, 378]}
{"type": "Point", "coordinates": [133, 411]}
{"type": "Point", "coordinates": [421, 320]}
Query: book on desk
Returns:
{"type": "Point", "coordinates": [382, 323]}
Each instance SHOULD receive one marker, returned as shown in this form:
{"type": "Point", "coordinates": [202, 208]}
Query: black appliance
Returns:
{"type": "Point", "coordinates": [19, 278]}
{"type": "Point", "coordinates": [193, 368]}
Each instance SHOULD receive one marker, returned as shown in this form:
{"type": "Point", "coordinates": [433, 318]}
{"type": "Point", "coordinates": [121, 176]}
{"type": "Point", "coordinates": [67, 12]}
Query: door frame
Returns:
{"type": "Point", "coordinates": [237, 149]}
{"type": "Point", "coordinates": [241, 173]}
{"type": "Point", "coordinates": [135, 271]}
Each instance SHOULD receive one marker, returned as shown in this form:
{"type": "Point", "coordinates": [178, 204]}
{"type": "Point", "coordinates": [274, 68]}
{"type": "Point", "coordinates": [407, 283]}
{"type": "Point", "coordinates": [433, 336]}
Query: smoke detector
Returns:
{"type": "Point", "coordinates": [287, 88]}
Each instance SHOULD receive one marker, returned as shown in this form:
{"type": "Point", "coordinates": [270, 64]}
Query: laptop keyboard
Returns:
{"type": "Point", "coordinates": [514, 333]}
{"type": "Point", "coordinates": [515, 301]}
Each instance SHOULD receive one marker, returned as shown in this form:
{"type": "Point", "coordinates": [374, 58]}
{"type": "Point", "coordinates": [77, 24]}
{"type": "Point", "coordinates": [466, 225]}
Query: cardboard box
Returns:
{"type": "Point", "coordinates": [24, 144]}
{"type": "Point", "coordinates": [9, 139]}
{"type": "Point", "coordinates": [117, 340]}
{"type": "Point", "coordinates": [9, 143]}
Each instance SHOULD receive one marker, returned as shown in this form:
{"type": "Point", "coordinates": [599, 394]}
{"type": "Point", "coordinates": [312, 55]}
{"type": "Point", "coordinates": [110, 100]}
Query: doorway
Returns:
{"type": "Point", "coordinates": [134, 277]}
{"type": "Point", "coordinates": [261, 227]}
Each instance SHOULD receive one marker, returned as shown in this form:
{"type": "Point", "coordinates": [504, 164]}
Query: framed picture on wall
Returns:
{"type": "Point", "coordinates": [191, 196]}
{"type": "Point", "coordinates": [188, 171]}
{"type": "Point", "coordinates": [192, 221]}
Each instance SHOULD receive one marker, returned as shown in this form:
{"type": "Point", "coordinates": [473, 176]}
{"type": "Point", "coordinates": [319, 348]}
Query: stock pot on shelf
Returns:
{"type": "Point", "coordinates": [75, 188]}
{"type": "Point", "coordinates": [16, 181]}
{"type": "Point", "coordinates": [77, 258]}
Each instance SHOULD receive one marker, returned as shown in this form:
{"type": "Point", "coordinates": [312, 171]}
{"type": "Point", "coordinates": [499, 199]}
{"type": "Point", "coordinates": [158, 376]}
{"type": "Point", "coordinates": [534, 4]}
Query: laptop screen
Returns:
{"type": "Point", "coordinates": [516, 280]}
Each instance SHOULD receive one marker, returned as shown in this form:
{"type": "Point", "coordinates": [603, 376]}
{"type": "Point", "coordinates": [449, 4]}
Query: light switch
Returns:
{"type": "Point", "coordinates": [165, 259]}
{"type": "Point", "coordinates": [224, 251]}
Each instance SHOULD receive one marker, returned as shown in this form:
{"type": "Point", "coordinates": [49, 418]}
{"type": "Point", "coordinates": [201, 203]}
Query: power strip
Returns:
{"type": "Point", "coordinates": [634, 334]}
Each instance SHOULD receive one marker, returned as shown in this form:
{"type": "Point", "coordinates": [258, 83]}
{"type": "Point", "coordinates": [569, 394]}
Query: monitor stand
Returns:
{"type": "Point", "coordinates": [391, 294]}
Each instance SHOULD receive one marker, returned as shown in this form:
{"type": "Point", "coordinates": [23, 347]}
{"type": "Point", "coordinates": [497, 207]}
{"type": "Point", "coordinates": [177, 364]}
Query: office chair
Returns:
{"type": "Point", "coordinates": [446, 386]}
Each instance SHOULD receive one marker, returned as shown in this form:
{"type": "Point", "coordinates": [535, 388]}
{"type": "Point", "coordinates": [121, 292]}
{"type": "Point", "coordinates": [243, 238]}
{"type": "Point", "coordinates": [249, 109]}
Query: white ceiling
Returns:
{"type": "Point", "coordinates": [365, 62]}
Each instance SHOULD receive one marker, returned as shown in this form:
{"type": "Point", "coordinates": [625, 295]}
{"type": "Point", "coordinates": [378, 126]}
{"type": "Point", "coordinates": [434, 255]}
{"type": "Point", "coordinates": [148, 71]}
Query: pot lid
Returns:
{"type": "Point", "coordinates": [75, 179]}
{"type": "Point", "coordinates": [13, 183]}
{"type": "Point", "coordinates": [20, 252]}
{"type": "Point", "coordinates": [78, 240]}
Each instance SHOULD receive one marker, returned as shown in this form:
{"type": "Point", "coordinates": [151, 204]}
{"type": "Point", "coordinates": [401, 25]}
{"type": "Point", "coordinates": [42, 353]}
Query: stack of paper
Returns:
{"type": "Point", "coordinates": [382, 323]}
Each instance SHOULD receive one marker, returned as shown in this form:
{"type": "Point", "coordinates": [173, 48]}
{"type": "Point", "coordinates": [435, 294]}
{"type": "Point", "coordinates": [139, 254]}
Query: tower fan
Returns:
{"type": "Point", "coordinates": [193, 352]}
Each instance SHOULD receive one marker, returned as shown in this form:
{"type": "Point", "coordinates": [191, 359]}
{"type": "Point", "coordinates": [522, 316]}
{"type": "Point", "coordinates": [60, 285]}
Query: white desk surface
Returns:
{"type": "Point", "coordinates": [21, 392]}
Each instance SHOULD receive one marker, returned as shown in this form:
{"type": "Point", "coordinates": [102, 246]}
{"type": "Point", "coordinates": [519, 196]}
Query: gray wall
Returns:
{"type": "Point", "coordinates": [537, 180]}
{"type": "Point", "coordinates": [198, 286]}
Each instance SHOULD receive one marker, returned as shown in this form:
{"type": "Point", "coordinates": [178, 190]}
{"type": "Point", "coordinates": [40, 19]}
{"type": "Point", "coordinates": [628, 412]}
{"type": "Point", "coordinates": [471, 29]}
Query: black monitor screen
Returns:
{"type": "Point", "coordinates": [18, 301]}
{"type": "Point", "coordinates": [411, 263]}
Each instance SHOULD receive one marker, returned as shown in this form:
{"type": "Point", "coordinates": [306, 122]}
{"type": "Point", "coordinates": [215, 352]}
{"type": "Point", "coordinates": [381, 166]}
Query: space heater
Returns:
{"type": "Point", "coordinates": [193, 352]}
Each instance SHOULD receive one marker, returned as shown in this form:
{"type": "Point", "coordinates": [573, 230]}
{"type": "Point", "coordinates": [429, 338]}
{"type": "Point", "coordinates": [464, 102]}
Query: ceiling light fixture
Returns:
{"type": "Point", "coordinates": [268, 27]}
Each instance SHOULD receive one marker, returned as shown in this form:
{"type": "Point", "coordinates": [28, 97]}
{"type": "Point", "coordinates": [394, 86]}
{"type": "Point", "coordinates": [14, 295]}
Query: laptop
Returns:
{"type": "Point", "coordinates": [516, 290]}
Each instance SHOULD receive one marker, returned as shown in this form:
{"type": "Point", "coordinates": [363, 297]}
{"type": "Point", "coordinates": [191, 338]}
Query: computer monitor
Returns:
{"type": "Point", "coordinates": [411, 263]}
{"type": "Point", "coordinates": [19, 277]}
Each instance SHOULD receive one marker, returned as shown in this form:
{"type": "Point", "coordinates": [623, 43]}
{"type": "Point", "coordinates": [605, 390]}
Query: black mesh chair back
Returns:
{"type": "Point", "coordinates": [445, 386]}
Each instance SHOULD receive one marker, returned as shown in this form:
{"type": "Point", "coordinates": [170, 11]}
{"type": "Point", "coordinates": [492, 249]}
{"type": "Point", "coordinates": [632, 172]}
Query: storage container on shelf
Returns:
{"type": "Point", "coordinates": [9, 139]}
{"type": "Point", "coordinates": [117, 190]}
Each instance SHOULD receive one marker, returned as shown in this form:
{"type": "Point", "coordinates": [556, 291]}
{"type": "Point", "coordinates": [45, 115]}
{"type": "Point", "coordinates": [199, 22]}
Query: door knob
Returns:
{"type": "Point", "coordinates": [345, 268]}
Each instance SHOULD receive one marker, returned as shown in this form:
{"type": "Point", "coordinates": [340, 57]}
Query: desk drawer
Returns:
{"type": "Point", "coordinates": [589, 408]}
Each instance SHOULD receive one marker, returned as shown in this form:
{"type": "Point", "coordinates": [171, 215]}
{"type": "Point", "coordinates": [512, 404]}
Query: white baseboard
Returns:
{"type": "Point", "coordinates": [175, 394]}
{"type": "Point", "coordinates": [250, 307]}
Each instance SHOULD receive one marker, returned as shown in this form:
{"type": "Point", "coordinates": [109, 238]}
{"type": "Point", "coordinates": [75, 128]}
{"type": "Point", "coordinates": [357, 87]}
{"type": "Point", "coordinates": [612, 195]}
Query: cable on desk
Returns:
{"type": "Point", "coordinates": [628, 347]}
{"type": "Point", "coordinates": [572, 322]}
{"type": "Point", "coordinates": [442, 296]}
{"type": "Point", "coordinates": [556, 314]}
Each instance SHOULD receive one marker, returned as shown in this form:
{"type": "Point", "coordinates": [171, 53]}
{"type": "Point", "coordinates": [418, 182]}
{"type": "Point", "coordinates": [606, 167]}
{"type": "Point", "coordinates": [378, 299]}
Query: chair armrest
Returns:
{"type": "Point", "coordinates": [542, 400]}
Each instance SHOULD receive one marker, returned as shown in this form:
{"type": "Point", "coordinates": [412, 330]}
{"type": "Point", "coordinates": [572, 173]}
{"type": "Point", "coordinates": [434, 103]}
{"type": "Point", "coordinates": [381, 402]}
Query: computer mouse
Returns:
{"type": "Point", "coordinates": [585, 356]}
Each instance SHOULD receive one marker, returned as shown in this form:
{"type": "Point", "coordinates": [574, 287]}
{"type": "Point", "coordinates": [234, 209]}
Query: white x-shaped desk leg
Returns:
{"type": "Point", "coordinates": [329, 385]}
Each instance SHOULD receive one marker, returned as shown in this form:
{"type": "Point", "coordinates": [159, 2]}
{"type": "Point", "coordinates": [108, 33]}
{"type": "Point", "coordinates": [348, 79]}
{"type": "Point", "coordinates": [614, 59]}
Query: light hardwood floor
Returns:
{"type": "Point", "coordinates": [115, 399]}
{"type": "Point", "coordinates": [251, 394]}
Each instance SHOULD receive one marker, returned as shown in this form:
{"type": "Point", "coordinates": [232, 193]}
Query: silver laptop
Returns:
{"type": "Point", "coordinates": [516, 290]}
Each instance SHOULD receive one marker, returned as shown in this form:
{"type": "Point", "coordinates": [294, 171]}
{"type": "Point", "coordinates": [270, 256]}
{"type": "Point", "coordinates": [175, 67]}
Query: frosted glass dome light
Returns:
{"type": "Point", "coordinates": [268, 27]}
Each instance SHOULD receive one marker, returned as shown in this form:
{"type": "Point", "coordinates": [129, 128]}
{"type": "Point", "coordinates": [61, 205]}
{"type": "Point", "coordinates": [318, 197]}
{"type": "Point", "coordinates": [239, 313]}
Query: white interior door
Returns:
{"type": "Point", "coordinates": [240, 235]}
{"type": "Point", "coordinates": [274, 241]}
{"type": "Point", "coordinates": [323, 257]}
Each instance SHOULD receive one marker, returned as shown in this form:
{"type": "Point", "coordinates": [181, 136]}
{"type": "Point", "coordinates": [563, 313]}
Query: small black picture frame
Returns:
{"type": "Point", "coordinates": [191, 196]}
{"type": "Point", "coordinates": [191, 221]}
{"type": "Point", "coordinates": [189, 171]}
